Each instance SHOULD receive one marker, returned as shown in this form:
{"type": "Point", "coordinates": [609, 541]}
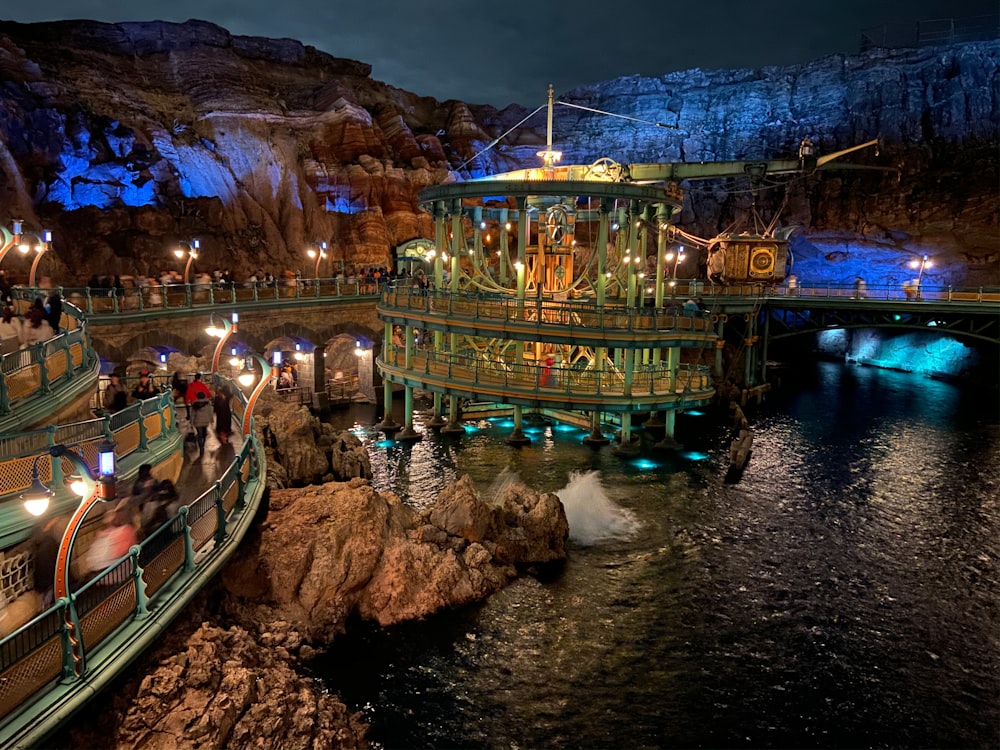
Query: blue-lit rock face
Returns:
{"type": "Point", "coordinates": [923, 353]}
{"type": "Point", "coordinates": [125, 138]}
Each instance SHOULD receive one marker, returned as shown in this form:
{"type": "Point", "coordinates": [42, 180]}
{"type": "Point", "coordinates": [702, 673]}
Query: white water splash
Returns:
{"type": "Point", "coordinates": [592, 515]}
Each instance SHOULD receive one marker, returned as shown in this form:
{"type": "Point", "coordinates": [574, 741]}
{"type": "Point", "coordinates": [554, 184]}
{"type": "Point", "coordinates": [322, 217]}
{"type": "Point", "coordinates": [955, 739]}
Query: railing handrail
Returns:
{"type": "Point", "coordinates": [65, 621]}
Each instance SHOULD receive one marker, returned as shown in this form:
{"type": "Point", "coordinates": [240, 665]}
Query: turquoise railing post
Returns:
{"type": "Point", "coordinates": [220, 511]}
{"type": "Point", "coordinates": [38, 350]}
{"type": "Point", "coordinates": [240, 484]}
{"type": "Point", "coordinates": [141, 597]}
{"type": "Point", "coordinates": [4, 394]}
{"type": "Point", "coordinates": [140, 297]}
{"type": "Point", "coordinates": [143, 439]}
{"type": "Point", "coordinates": [188, 539]}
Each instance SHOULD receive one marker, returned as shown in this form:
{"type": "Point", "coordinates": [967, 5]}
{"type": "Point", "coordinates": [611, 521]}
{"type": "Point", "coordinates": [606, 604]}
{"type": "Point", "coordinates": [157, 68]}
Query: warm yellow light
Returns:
{"type": "Point", "coordinates": [77, 486]}
{"type": "Point", "coordinates": [234, 361]}
{"type": "Point", "coordinates": [246, 377]}
{"type": "Point", "coordinates": [507, 226]}
{"type": "Point", "coordinates": [211, 330]}
{"type": "Point", "coordinates": [519, 265]}
{"type": "Point", "coordinates": [36, 506]}
{"type": "Point", "coordinates": [311, 253]}
{"type": "Point", "coordinates": [179, 253]}
{"type": "Point", "coordinates": [24, 248]}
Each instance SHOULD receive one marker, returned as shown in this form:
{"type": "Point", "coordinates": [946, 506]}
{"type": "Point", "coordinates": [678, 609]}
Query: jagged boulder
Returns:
{"type": "Point", "coordinates": [308, 451]}
{"type": "Point", "coordinates": [340, 549]}
{"type": "Point", "coordinates": [223, 687]}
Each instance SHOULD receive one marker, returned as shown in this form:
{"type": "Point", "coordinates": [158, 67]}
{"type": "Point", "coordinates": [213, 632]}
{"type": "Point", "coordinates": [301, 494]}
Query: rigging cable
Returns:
{"type": "Point", "coordinates": [497, 140]}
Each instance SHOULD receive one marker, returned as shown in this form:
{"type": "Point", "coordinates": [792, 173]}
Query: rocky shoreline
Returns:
{"type": "Point", "coordinates": [229, 672]}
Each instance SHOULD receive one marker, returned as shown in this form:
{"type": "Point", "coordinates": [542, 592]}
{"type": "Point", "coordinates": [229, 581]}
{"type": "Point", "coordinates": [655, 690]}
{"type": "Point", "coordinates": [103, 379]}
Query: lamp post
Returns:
{"type": "Point", "coordinates": [92, 489]}
{"type": "Point", "coordinates": [223, 334]}
{"type": "Point", "coordinates": [923, 263]}
{"type": "Point", "coordinates": [191, 251]}
{"type": "Point", "coordinates": [19, 238]}
{"type": "Point", "coordinates": [318, 255]}
{"type": "Point", "coordinates": [41, 247]}
{"type": "Point", "coordinates": [675, 258]}
{"type": "Point", "coordinates": [246, 378]}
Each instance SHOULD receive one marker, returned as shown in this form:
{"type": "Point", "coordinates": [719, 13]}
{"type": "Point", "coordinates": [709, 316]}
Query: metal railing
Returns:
{"type": "Point", "coordinates": [567, 383]}
{"type": "Point", "coordinates": [70, 639]}
{"type": "Point", "coordinates": [41, 367]}
{"type": "Point", "coordinates": [155, 297]}
{"type": "Point", "coordinates": [544, 312]}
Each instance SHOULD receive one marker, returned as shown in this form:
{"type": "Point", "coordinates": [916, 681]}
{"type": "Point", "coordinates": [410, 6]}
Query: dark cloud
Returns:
{"type": "Point", "coordinates": [499, 54]}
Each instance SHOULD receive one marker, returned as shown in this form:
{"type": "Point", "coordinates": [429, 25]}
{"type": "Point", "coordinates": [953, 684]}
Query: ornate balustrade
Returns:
{"type": "Point", "coordinates": [123, 609]}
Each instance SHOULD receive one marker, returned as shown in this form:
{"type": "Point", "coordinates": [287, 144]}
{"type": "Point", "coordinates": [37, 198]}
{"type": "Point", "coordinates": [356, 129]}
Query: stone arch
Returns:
{"type": "Point", "coordinates": [146, 339]}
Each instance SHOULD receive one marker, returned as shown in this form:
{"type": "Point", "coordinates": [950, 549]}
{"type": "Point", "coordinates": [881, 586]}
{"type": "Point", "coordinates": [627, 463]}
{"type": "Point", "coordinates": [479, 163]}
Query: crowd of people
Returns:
{"type": "Point", "coordinates": [41, 321]}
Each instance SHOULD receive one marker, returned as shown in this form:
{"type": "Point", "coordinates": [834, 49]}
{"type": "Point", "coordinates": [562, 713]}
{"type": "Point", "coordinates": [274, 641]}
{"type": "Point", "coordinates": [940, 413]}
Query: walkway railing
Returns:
{"type": "Point", "coordinates": [555, 383]}
{"type": "Point", "coordinates": [119, 613]}
{"type": "Point", "coordinates": [544, 312]}
{"type": "Point", "coordinates": [36, 371]}
{"type": "Point", "coordinates": [151, 298]}
{"type": "Point", "coordinates": [135, 429]}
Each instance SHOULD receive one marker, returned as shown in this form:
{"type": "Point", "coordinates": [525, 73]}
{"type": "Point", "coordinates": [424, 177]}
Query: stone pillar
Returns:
{"type": "Point", "coordinates": [408, 434]}
{"type": "Point", "coordinates": [517, 437]}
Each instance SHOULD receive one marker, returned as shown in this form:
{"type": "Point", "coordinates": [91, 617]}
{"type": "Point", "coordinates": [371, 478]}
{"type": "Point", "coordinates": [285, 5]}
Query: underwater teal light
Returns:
{"type": "Point", "coordinates": [694, 455]}
{"type": "Point", "coordinates": [385, 443]}
{"type": "Point", "coordinates": [566, 428]}
{"type": "Point", "coordinates": [470, 428]}
{"type": "Point", "coordinates": [695, 413]}
{"type": "Point", "coordinates": [645, 464]}
{"type": "Point", "coordinates": [509, 423]}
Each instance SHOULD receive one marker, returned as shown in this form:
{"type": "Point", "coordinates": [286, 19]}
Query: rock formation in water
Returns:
{"type": "Point", "coordinates": [209, 687]}
{"type": "Point", "coordinates": [341, 550]}
{"type": "Point", "coordinates": [302, 450]}
{"type": "Point", "coordinates": [125, 138]}
{"type": "Point", "coordinates": [225, 675]}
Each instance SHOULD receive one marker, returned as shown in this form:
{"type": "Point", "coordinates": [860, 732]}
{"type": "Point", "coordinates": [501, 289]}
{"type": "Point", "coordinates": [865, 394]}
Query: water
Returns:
{"type": "Point", "coordinates": [843, 593]}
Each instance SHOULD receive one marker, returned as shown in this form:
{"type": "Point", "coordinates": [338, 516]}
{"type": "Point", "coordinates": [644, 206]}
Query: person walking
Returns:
{"type": "Point", "coordinates": [54, 311]}
{"type": "Point", "coordinates": [37, 327]}
{"type": "Point", "coordinates": [11, 331]}
{"type": "Point", "coordinates": [223, 413]}
{"type": "Point", "coordinates": [145, 388]}
{"type": "Point", "coordinates": [201, 418]}
{"type": "Point", "coordinates": [115, 395]}
{"type": "Point", "coordinates": [195, 388]}
{"type": "Point", "coordinates": [717, 265]}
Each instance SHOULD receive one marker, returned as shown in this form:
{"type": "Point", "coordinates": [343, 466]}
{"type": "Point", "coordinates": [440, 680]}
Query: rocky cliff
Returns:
{"type": "Point", "coordinates": [125, 138]}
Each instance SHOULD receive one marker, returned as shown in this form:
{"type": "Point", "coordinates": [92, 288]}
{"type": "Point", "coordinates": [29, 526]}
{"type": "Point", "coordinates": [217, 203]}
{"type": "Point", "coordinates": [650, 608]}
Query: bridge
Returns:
{"type": "Point", "coordinates": [54, 663]}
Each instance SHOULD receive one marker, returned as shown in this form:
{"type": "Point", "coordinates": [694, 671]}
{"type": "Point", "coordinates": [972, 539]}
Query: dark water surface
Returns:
{"type": "Point", "coordinates": [844, 593]}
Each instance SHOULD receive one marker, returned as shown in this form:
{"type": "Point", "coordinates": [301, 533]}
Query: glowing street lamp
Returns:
{"type": "Point", "coordinates": [921, 264]}
{"type": "Point", "coordinates": [20, 239]}
{"type": "Point", "coordinates": [246, 378]}
{"type": "Point", "coordinates": [42, 244]}
{"type": "Point", "coordinates": [318, 255]}
{"type": "Point", "coordinates": [92, 489]}
{"type": "Point", "coordinates": [190, 250]}
{"type": "Point", "coordinates": [223, 334]}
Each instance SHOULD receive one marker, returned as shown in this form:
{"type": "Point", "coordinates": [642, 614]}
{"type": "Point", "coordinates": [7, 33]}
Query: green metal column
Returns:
{"type": "Point", "coordinates": [387, 424]}
{"type": "Point", "coordinates": [457, 242]}
{"type": "Point", "coordinates": [763, 344]}
{"type": "Point", "coordinates": [748, 352]}
{"type": "Point", "coordinates": [602, 252]}
{"type": "Point", "coordinates": [502, 248]}
{"type": "Point", "coordinates": [454, 425]}
{"type": "Point", "coordinates": [662, 217]}
{"type": "Point", "coordinates": [631, 251]}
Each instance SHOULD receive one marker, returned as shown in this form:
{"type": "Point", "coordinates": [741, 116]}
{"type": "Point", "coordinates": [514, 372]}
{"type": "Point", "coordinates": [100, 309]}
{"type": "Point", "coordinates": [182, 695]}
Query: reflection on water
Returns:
{"type": "Point", "coordinates": [843, 594]}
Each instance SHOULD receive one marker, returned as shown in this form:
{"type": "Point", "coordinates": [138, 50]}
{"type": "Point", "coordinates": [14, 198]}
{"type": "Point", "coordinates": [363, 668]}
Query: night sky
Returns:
{"type": "Point", "coordinates": [502, 53]}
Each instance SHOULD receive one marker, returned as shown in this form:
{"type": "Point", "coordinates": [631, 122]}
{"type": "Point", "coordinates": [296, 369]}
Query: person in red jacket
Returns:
{"type": "Point", "coordinates": [195, 387]}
